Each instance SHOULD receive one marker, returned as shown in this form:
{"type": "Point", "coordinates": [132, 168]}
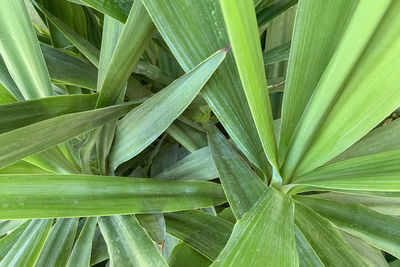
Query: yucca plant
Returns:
{"type": "Point", "coordinates": [95, 93]}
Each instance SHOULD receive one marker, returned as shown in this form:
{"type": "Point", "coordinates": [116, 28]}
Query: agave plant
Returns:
{"type": "Point", "coordinates": [96, 93]}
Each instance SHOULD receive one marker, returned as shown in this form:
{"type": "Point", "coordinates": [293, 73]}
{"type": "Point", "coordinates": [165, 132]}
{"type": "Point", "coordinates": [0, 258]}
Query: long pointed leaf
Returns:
{"type": "Point", "coordinates": [197, 33]}
{"type": "Point", "coordinates": [241, 24]}
{"type": "Point", "coordinates": [128, 243]}
{"type": "Point", "coordinates": [163, 107]}
{"type": "Point", "coordinates": [20, 50]}
{"type": "Point", "coordinates": [267, 230]}
{"type": "Point", "coordinates": [48, 196]}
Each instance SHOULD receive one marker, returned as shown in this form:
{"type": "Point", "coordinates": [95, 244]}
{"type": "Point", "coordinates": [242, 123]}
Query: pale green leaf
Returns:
{"type": "Point", "coordinates": [382, 231]}
{"type": "Point", "coordinates": [23, 167]}
{"type": "Point", "coordinates": [267, 230]}
{"type": "Point", "coordinates": [25, 251]}
{"type": "Point", "coordinates": [198, 165]}
{"type": "Point", "coordinates": [241, 25]}
{"type": "Point", "coordinates": [163, 107]}
{"type": "Point", "coordinates": [87, 49]}
{"type": "Point", "coordinates": [126, 54]}
{"type": "Point", "coordinates": [331, 121]}
{"type": "Point", "coordinates": [193, 31]}
{"type": "Point", "coordinates": [128, 243]}
{"type": "Point", "coordinates": [205, 233]}
{"type": "Point", "coordinates": [154, 225]}
{"type": "Point", "coordinates": [7, 242]}
{"type": "Point", "coordinates": [20, 50]}
{"type": "Point", "coordinates": [319, 27]}
{"type": "Point", "coordinates": [50, 196]}
{"type": "Point", "coordinates": [25, 141]}
{"type": "Point", "coordinates": [20, 114]}
{"type": "Point", "coordinates": [327, 242]}
{"type": "Point", "coordinates": [114, 8]}
{"type": "Point", "coordinates": [58, 244]}
{"type": "Point", "coordinates": [183, 256]}
{"type": "Point", "coordinates": [241, 184]}
{"type": "Point", "coordinates": [80, 255]}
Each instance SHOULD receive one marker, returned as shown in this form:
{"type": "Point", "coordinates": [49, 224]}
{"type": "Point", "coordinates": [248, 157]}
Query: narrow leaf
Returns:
{"type": "Point", "coordinates": [242, 186]}
{"type": "Point", "coordinates": [20, 50]}
{"type": "Point", "coordinates": [59, 243]}
{"type": "Point", "coordinates": [241, 25]}
{"type": "Point", "coordinates": [52, 196]}
{"type": "Point", "coordinates": [164, 107]}
{"type": "Point", "coordinates": [26, 250]}
{"type": "Point", "coordinates": [199, 165]}
{"type": "Point", "coordinates": [382, 231]}
{"type": "Point", "coordinates": [80, 255]}
{"type": "Point", "coordinates": [128, 243]}
{"type": "Point", "coordinates": [267, 230]}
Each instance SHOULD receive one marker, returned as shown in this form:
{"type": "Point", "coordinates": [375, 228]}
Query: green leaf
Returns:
{"type": "Point", "coordinates": [319, 27]}
{"type": "Point", "coordinates": [183, 256]}
{"type": "Point", "coordinates": [331, 121]}
{"type": "Point", "coordinates": [128, 243]}
{"type": "Point", "coordinates": [99, 248]}
{"type": "Point", "coordinates": [197, 33]}
{"type": "Point", "coordinates": [25, 251]}
{"type": "Point", "coordinates": [126, 54]}
{"type": "Point", "coordinates": [59, 243]}
{"type": "Point", "coordinates": [114, 8]}
{"type": "Point", "coordinates": [329, 245]}
{"type": "Point", "coordinates": [23, 167]}
{"type": "Point", "coordinates": [20, 114]}
{"type": "Point", "coordinates": [7, 81]}
{"type": "Point", "coordinates": [7, 242]}
{"type": "Point", "coordinates": [277, 54]}
{"type": "Point", "coordinates": [80, 255]}
{"type": "Point", "coordinates": [87, 49]}
{"type": "Point", "coordinates": [386, 205]}
{"type": "Point", "coordinates": [52, 196]}
{"type": "Point", "coordinates": [274, 10]}
{"type": "Point", "coordinates": [267, 230]}
{"type": "Point", "coordinates": [205, 233]}
{"type": "Point", "coordinates": [241, 25]}
{"type": "Point", "coordinates": [198, 165]}
{"type": "Point", "coordinates": [154, 225]}
{"type": "Point", "coordinates": [382, 231]}
{"type": "Point", "coordinates": [189, 137]}
{"type": "Point", "coordinates": [241, 185]}
{"type": "Point", "coordinates": [163, 107]}
{"type": "Point", "coordinates": [376, 172]}
{"type": "Point", "coordinates": [307, 256]}
{"type": "Point", "coordinates": [25, 141]}
{"type": "Point", "coordinates": [20, 50]}
{"type": "Point", "coordinates": [372, 256]}
{"type": "Point", "coordinates": [6, 226]}
{"type": "Point", "coordinates": [5, 96]}
{"type": "Point", "coordinates": [64, 68]}
{"type": "Point", "coordinates": [377, 141]}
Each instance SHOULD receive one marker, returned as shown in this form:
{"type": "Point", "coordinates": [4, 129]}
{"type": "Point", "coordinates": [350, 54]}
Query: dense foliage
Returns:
{"type": "Point", "coordinates": [199, 132]}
